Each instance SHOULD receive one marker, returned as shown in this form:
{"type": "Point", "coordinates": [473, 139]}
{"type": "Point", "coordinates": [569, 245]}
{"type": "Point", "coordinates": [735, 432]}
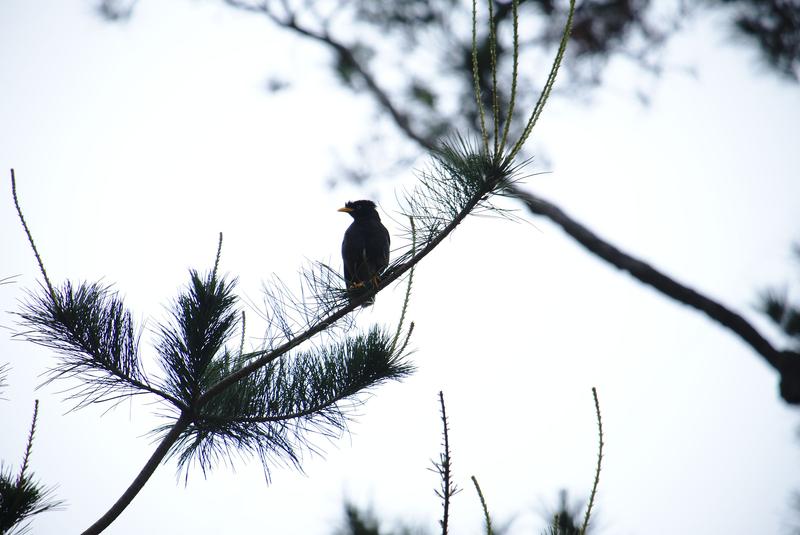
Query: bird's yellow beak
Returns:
{"type": "Point", "coordinates": [345, 210]}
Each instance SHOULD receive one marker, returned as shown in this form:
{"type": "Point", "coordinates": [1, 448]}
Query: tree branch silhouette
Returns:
{"type": "Point", "coordinates": [786, 363]}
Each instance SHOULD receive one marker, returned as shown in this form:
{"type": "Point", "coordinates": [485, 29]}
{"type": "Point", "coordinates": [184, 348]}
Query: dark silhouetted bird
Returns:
{"type": "Point", "coordinates": [365, 248]}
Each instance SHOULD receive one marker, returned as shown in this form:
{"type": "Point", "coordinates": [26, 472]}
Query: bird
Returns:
{"type": "Point", "coordinates": [365, 247]}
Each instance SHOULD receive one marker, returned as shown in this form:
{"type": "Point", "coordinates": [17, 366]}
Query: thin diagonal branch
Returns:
{"type": "Point", "coordinates": [50, 287]}
{"type": "Point", "coordinates": [150, 466]}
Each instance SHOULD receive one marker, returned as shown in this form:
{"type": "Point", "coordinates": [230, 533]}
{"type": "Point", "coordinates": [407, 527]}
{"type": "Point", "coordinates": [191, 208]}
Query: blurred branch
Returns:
{"type": "Point", "coordinates": [774, 27]}
{"type": "Point", "coordinates": [116, 10]}
{"type": "Point", "coordinates": [787, 363]}
{"type": "Point", "coordinates": [346, 56]}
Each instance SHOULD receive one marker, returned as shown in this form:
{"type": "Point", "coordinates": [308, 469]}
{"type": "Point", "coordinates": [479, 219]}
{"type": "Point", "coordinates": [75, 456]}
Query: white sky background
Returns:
{"type": "Point", "coordinates": [135, 144]}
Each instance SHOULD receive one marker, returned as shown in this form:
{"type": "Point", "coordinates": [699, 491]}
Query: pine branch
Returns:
{"type": "Point", "coordinates": [409, 285]}
{"type": "Point", "coordinates": [268, 413]}
{"type": "Point", "coordinates": [344, 55]}
{"type": "Point", "coordinates": [203, 321]}
{"type": "Point", "coordinates": [96, 337]}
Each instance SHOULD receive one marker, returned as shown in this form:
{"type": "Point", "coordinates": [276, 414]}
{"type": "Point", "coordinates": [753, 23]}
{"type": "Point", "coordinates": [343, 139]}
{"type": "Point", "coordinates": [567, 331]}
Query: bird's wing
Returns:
{"type": "Point", "coordinates": [386, 247]}
{"type": "Point", "coordinates": [377, 247]}
{"type": "Point", "coordinates": [352, 252]}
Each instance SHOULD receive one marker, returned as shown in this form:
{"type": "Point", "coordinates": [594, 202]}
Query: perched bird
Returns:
{"type": "Point", "coordinates": [365, 248]}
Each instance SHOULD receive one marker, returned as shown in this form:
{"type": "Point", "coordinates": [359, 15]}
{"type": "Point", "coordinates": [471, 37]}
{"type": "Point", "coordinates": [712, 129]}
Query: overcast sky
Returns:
{"type": "Point", "coordinates": [135, 144]}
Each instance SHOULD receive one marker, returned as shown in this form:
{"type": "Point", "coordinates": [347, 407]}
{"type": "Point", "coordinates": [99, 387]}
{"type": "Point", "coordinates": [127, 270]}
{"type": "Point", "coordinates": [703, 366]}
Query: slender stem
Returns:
{"type": "Point", "coordinates": [144, 475]}
{"type": "Point", "coordinates": [30, 239]}
{"type": "Point", "coordinates": [514, 75]}
{"type": "Point", "coordinates": [476, 78]}
{"type": "Point", "coordinates": [408, 337]}
{"type": "Point", "coordinates": [444, 470]}
{"type": "Point", "coordinates": [244, 326]}
{"type": "Point", "coordinates": [493, 68]}
{"type": "Point", "coordinates": [548, 85]}
{"type": "Point", "coordinates": [408, 286]}
{"type": "Point", "coordinates": [29, 447]}
{"type": "Point", "coordinates": [599, 463]}
{"type": "Point", "coordinates": [486, 516]}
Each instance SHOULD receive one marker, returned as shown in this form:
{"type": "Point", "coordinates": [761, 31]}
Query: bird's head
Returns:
{"type": "Point", "coordinates": [360, 210]}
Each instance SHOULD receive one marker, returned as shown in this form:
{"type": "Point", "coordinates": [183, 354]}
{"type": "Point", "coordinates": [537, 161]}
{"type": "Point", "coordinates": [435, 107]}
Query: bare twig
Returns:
{"type": "Point", "coordinates": [443, 467]}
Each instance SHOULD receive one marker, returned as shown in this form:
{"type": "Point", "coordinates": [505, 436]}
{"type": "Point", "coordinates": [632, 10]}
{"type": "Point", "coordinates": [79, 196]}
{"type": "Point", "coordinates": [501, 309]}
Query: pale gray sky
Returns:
{"type": "Point", "coordinates": [135, 144]}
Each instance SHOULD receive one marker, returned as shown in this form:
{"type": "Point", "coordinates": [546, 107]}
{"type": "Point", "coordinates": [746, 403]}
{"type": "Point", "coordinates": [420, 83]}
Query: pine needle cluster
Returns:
{"type": "Point", "coordinates": [89, 326]}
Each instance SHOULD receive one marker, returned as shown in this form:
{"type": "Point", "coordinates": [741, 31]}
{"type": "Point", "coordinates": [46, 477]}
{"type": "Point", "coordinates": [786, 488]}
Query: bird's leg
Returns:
{"type": "Point", "coordinates": [375, 281]}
